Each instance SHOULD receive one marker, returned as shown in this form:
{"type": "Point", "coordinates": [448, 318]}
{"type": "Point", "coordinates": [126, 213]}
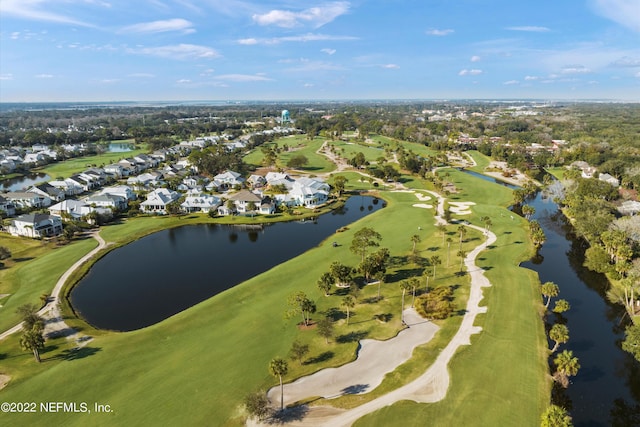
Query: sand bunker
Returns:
{"type": "Point", "coordinates": [422, 205]}
{"type": "Point", "coordinates": [461, 208]}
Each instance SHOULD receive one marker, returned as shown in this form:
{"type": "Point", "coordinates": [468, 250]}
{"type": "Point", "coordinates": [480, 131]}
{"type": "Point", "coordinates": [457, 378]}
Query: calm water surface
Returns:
{"type": "Point", "coordinates": [24, 182]}
{"type": "Point", "coordinates": [169, 271]}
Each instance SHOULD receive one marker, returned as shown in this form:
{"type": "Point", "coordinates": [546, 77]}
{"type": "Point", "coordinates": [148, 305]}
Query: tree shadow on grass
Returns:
{"type": "Point", "coordinates": [322, 357]}
{"type": "Point", "coordinates": [354, 336]}
{"type": "Point", "coordinates": [335, 314]}
{"type": "Point", "coordinates": [75, 353]}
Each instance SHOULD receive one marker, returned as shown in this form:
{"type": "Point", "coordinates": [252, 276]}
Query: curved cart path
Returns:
{"type": "Point", "coordinates": [431, 386]}
{"type": "Point", "coordinates": [54, 323]}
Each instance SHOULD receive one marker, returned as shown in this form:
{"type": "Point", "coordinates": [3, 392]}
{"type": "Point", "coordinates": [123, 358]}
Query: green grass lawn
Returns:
{"type": "Point", "coordinates": [195, 367]}
{"type": "Point", "coordinates": [69, 167]}
{"type": "Point", "coordinates": [298, 145]}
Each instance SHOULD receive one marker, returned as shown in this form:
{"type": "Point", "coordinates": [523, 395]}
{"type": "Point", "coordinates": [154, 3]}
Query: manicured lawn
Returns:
{"type": "Point", "coordinates": [557, 172]}
{"type": "Point", "coordinates": [195, 367]}
{"type": "Point", "coordinates": [27, 280]}
{"type": "Point", "coordinates": [298, 145]}
{"type": "Point", "coordinates": [71, 166]}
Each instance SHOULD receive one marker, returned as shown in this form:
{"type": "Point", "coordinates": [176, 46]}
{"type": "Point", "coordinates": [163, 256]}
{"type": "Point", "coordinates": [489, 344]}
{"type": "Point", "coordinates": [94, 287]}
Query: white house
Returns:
{"type": "Point", "coordinates": [107, 201]}
{"type": "Point", "coordinates": [76, 209]}
{"type": "Point", "coordinates": [158, 199]}
{"type": "Point", "coordinates": [609, 179]}
{"type": "Point", "coordinates": [27, 200]}
{"type": "Point", "coordinates": [69, 186]}
{"type": "Point", "coordinates": [228, 179]}
{"type": "Point", "coordinates": [200, 202]}
{"type": "Point", "coordinates": [7, 207]}
{"type": "Point", "coordinates": [48, 190]}
{"type": "Point", "coordinates": [116, 169]}
{"type": "Point", "coordinates": [36, 225]}
{"type": "Point", "coordinates": [120, 190]}
{"type": "Point", "coordinates": [306, 192]}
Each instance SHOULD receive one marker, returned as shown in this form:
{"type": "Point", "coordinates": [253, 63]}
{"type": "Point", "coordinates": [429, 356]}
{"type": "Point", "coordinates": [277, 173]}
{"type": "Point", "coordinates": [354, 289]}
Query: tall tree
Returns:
{"type": "Point", "coordinates": [342, 274]}
{"type": "Point", "coordinates": [556, 416]}
{"type": "Point", "coordinates": [279, 368]}
{"type": "Point", "coordinates": [301, 304]}
{"type": "Point", "coordinates": [404, 286]}
{"type": "Point", "coordinates": [325, 329]}
{"type": "Point", "coordinates": [364, 239]}
{"type": "Point", "coordinates": [443, 230]}
{"type": "Point", "coordinates": [558, 333]}
{"type": "Point", "coordinates": [30, 317]}
{"type": "Point", "coordinates": [325, 282]}
{"type": "Point", "coordinates": [567, 365]}
{"type": "Point", "coordinates": [298, 350]}
{"type": "Point", "coordinates": [415, 239]}
{"type": "Point", "coordinates": [348, 302]}
{"type": "Point", "coordinates": [561, 306]}
{"type": "Point", "coordinates": [434, 261]}
{"type": "Point", "coordinates": [549, 290]}
{"type": "Point", "coordinates": [462, 254]}
{"type": "Point", "coordinates": [257, 405]}
{"type": "Point", "coordinates": [449, 240]}
{"type": "Point", "coordinates": [339, 183]}
{"type": "Point", "coordinates": [33, 340]}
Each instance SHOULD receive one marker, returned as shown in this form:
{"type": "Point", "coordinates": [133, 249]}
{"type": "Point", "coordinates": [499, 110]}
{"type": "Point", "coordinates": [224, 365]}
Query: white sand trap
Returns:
{"type": "Point", "coordinates": [403, 191]}
{"type": "Point", "coordinates": [422, 197]}
{"type": "Point", "coordinates": [422, 205]}
{"type": "Point", "coordinates": [461, 208]}
{"type": "Point", "coordinates": [375, 360]}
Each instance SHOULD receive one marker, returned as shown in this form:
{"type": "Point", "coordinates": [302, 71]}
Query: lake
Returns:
{"type": "Point", "coordinates": [24, 182]}
{"type": "Point", "coordinates": [169, 271]}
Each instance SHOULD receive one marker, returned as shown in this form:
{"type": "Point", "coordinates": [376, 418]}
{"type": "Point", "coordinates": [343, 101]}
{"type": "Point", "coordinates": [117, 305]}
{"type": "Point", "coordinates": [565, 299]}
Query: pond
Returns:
{"type": "Point", "coordinates": [24, 182]}
{"type": "Point", "coordinates": [120, 147]}
{"type": "Point", "coordinates": [606, 390]}
{"type": "Point", "coordinates": [169, 271]}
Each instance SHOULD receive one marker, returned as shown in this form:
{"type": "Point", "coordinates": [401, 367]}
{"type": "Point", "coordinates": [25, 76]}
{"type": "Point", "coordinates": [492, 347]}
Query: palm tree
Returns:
{"type": "Point", "coordinates": [556, 416]}
{"type": "Point", "coordinates": [449, 240]}
{"type": "Point", "coordinates": [462, 254]}
{"type": "Point", "coordinates": [279, 367]}
{"type": "Point", "coordinates": [415, 239]}
{"type": "Point", "coordinates": [566, 366]}
{"type": "Point", "coordinates": [549, 290]}
{"type": "Point", "coordinates": [405, 286]}
{"type": "Point", "coordinates": [463, 231]}
{"type": "Point", "coordinates": [349, 302]}
{"type": "Point", "coordinates": [442, 229]}
{"type": "Point", "coordinates": [435, 260]}
{"type": "Point", "coordinates": [380, 277]}
{"type": "Point", "coordinates": [559, 334]}
{"type": "Point", "coordinates": [425, 274]}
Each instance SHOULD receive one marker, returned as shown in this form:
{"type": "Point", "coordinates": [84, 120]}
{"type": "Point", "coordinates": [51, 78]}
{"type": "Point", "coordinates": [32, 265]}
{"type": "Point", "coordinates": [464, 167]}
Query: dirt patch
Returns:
{"type": "Point", "coordinates": [4, 380]}
{"type": "Point", "coordinates": [303, 327]}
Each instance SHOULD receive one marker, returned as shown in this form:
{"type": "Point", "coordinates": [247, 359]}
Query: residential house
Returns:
{"type": "Point", "coordinates": [257, 181]}
{"type": "Point", "coordinates": [48, 190]}
{"type": "Point", "coordinates": [87, 183]}
{"type": "Point", "coordinates": [116, 170]}
{"type": "Point", "coordinates": [26, 200]}
{"type": "Point", "coordinates": [34, 158]}
{"type": "Point", "coordinates": [200, 202]}
{"type": "Point", "coordinates": [629, 207]}
{"type": "Point", "coordinates": [107, 201]}
{"type": "Point", "coordinates": [7, 208]}
{"type": "Point", "coordinates": [69, 186]}
{"type": "Point", "coordinates": [35, 225]}
{"type": "Point", "coordinates": [72, 208]}
{"type": "Point", "coordinates": [243, 200]}
{"type": "Point", "coordinates": [609, 179]}
{"type": "Point", "coordinates": [158, 199]}
{"type": "Point", "coordinates": [120, 190]}
{"type": "Point", "coordinates": [146, 180]}
{"type": "Point", "coordinates": [228, 179]}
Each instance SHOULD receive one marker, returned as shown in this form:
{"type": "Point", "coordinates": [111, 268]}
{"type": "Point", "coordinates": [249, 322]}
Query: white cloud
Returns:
{"type": "Point", "coordinates": [15, 35]}
{"type": "Point", "coordinates": [34, 10]}
{"type": "Point", "coordinates": [624, 12]}
{"type": "Point", "coordinates": [530, 29]}
{"type": "Point", "coordinates": [475, 58]}
{"type": "Point", "coordinates": [391, 66]}
{"type": "Point", "coordinates": [44, 76]}
{"type": "Point", "coordinates": [511, 82]}
{"type": "Point", "coordinates": [241, 78]}
{"type": "Point", "coordinates": [575, 69]}
{"type": "Point", "coordinates": [183, 81]}
{"type": "Point", "coordinates": [6, 76]}
{"type": "Point", "coordinates": [626, 61]}
{"type": "Point", "coordinates": [472, 72]}
{"type": "Point", "coordinates": [308, 85]}
{"type": "Point", "coordinates": [310, 37]}
{"type": "Point", "coordinates": [177, 24]}
{"type": "Point", "coordinates": [307, 65]}
{"type": "Point", "coordinates": [328, 51]}
{"type": "Point", "coordinates": [529, 78]}
{"type": "Point", "coordinates": [315, 16]}
{"type": "Point", "coordinates": [179, 51]}
{"type": "Point", "coordinates": [436, 32]}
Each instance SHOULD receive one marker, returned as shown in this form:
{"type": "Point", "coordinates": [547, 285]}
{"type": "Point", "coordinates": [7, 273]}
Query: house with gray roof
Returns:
{"type": "Point", "coordinates": [35, 226]}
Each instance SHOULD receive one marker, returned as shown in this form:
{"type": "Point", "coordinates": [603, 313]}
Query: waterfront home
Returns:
{"type": "Point", "coordinates": [71, 208]}
{"type": "Point", "coordinates": [120, 190]}
{"type": "Point", "coordinates": [228, 179]}
{"type": "Point", "coordinates": [306, 192]}
{"type": "Point", "coordinates": [158, 199]}
{"type": "Point", "coordinates": [48, 190]}
{"type": "Point", "coordinates": [243, 199]}
{"type": "Point", "coordinates": [107, 201]}
{"type": "Point", "coordinates": [196, 201]}
{"type": "Point", "coordinates": [7, 208]}
{"type": "Point", "coordinates": [35, 225]}
{"type": "Point", "coordinates": [27, 200]}
{"type": "Point", "coordinates": [69, 186]}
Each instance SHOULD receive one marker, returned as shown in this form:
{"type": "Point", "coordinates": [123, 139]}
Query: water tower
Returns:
{"type": "Point", "coordinates": [285, 118]}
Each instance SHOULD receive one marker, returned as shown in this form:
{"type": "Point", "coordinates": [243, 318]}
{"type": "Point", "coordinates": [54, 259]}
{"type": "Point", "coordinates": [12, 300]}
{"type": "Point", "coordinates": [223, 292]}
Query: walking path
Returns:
{"type": "Point", "coordinates": [368, 370]}
{"type": "Point", "coordinates": [54, 323]}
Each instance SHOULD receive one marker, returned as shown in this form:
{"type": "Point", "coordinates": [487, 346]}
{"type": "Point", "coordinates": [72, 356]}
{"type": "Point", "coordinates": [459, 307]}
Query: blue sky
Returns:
{"type": "Point", "coordinates": [152, 50]}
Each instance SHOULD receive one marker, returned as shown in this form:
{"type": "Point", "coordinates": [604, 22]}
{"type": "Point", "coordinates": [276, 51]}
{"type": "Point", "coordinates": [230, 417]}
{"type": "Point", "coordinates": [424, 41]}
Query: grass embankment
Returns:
{"type": "Point", "coordinates": [501, 379]}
